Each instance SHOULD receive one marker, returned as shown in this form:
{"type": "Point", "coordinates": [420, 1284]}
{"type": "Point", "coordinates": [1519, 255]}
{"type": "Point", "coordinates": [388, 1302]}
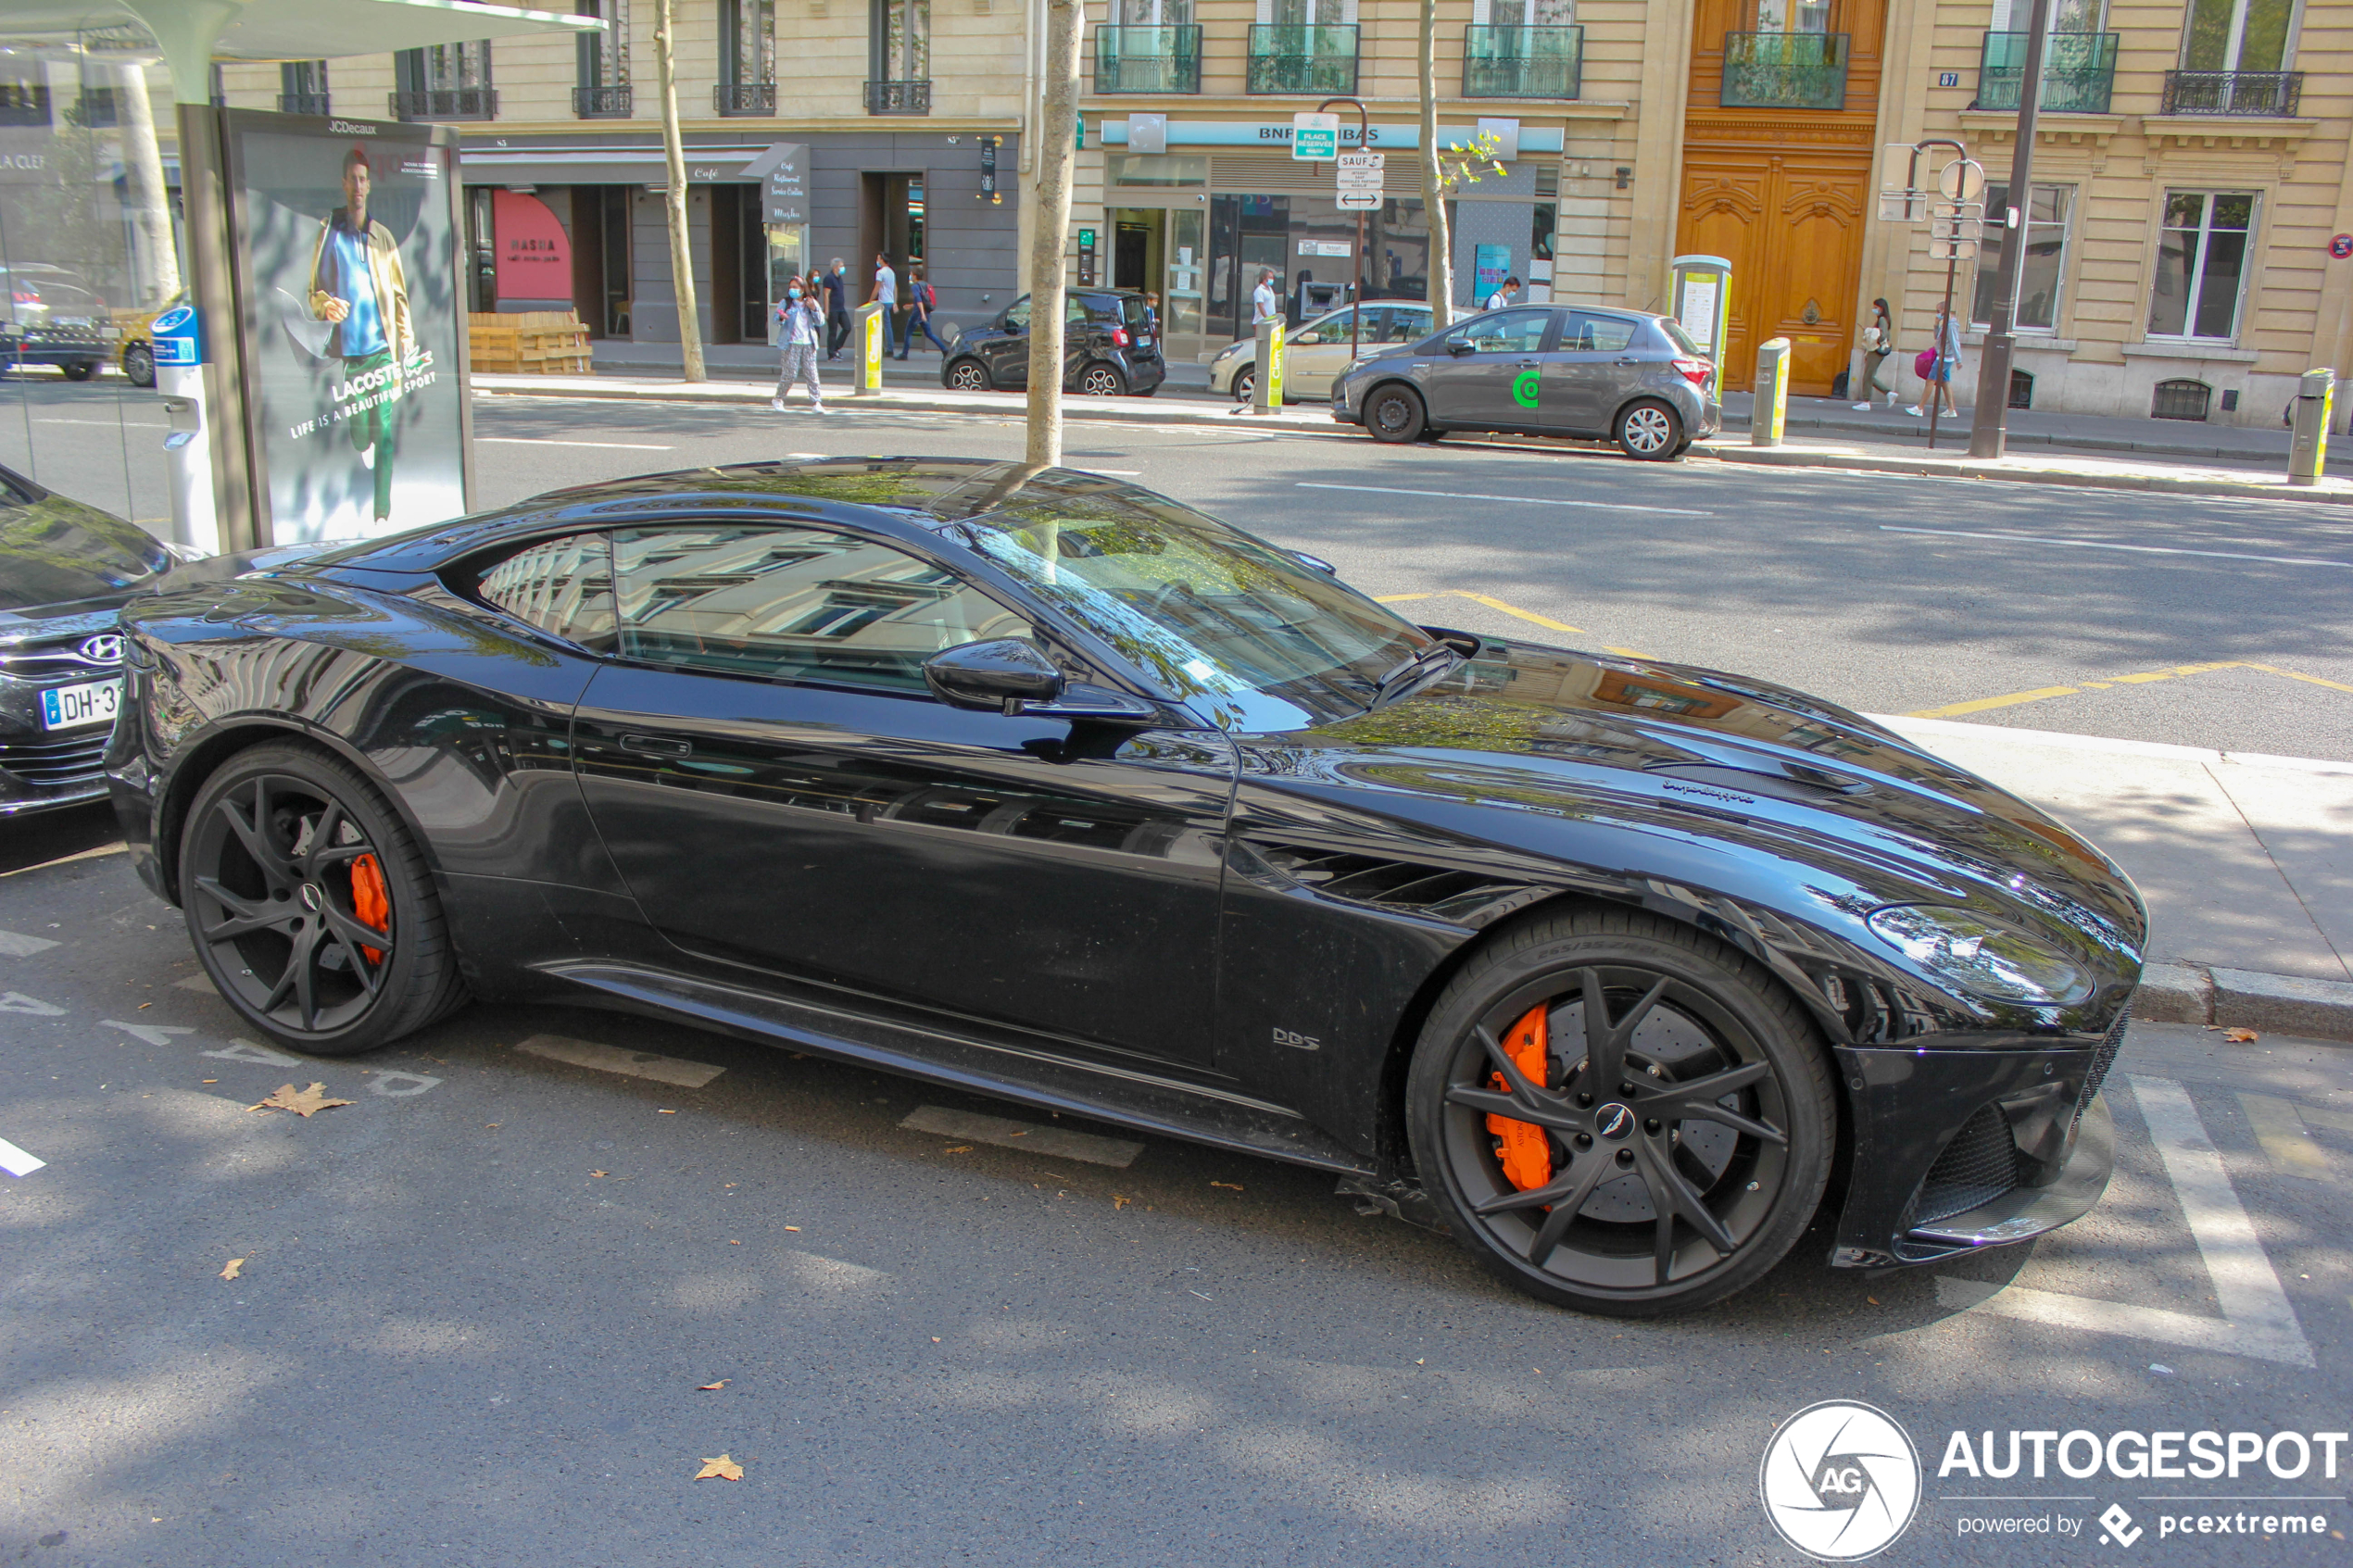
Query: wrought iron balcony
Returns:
{"type": "Point", "coordinates": [744, 97]}
{"type": "Point", "coordinates": [303, 102]}
{"type": "Point", "coordinates": [1784, 71]}
{"type": "Point", "coordinates": [2276, 94]}
{"type": "Point", "coordinates": [1523, 62]}
{"type": "Point", "coordinates": [2079, 71]}
{"type": "Point", "coordinates": [1302, 57]}
{"type": "Point", "coordinates": [898, 98]}
{"type": "Point", "coordinates": [446, 102]}
{"type": "Point", "coordinates": [601, 103]}
{"type": "Point", "coordinates": [1148, 59]}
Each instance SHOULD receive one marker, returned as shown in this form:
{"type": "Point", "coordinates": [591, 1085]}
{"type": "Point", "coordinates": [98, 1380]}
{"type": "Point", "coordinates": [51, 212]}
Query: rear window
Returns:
{"type": "Point", "coordinates": [1134, 306]}
{"type": "Point", "coordinates": [1680, 338]}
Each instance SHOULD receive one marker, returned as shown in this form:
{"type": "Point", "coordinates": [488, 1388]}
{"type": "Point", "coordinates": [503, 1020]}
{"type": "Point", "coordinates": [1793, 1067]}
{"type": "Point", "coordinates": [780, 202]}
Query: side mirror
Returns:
{"type": "Point", "coordinates": [1303, 339]}
{"type": "Point", "coordinates": [1318, 562]}
{"type": "Point", "coordinates": [1461, 347]}
{"type": "Point", "coordinates": [1004, 673]}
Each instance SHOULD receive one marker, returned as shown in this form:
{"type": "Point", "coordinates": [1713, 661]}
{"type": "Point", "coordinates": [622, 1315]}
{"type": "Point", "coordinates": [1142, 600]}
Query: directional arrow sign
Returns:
{"type": "Point", "coordinates": [1315, 137]}
{"type": "Point", "coordinates": [1358, 182]}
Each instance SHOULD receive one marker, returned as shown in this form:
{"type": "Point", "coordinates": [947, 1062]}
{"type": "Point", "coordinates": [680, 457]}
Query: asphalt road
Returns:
{"type": "Point", "coordinates": [478, 1307]}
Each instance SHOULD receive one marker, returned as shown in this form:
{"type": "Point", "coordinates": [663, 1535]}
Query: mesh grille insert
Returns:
{"type": "Point", "coordinates": [1978, 1166]}
{"type": "Point", "coordinates": [2110, 1043]}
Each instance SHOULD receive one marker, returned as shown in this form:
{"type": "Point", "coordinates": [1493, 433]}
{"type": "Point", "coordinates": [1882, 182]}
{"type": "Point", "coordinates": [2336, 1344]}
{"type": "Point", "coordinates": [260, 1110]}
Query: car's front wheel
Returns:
{"type": "Point", "coordinates": [1245, 385]}
{"type": "Point", "coordinates": [80, 370]}
{"type": "Point", "coordinates": [1649, 430]}
{"type": "Point", "coordinates": [139, 365]}
{"type": "Point", "coordinates": [1102, 380]}
{"type": "Point", "coordinates": [1394, 414]}
{"type": "Point", "coordinates": [310, 906]}
{"type": "Point", "coordinates": [1621, 1115]}
{"type": "Point", "coordinates": [969, 375]}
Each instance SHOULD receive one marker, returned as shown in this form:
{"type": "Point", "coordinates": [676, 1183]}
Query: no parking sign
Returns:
{"type": "Point", "coordinates": [2341, 247]}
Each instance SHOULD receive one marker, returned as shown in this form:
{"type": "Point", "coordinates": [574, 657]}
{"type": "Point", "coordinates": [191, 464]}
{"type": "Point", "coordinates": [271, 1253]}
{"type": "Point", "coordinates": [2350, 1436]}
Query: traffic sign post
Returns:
{"type": "Point", "coordinates": [1955, 224]}
{"type": "Point", "coordinates": [1315, 138]}
{"type": "Point", "coordinates": [1358, 182]}
{"type": "Point", "coordinates": [1357, 188]}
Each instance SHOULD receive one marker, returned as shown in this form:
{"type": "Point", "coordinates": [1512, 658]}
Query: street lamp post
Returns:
{"type": "Point", "coordinates": [1987, 435]}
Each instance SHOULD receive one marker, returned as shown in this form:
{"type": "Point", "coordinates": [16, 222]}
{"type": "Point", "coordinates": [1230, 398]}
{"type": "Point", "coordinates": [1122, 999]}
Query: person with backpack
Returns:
{"type": "Point", "coordinates": [921, 302]}
{"type": "Point", "coordinates": [801, 328]}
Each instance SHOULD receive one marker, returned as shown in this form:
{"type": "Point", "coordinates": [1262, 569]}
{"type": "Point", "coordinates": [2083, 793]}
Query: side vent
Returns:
{"type": "Point", "coordinates": [1463, 897]}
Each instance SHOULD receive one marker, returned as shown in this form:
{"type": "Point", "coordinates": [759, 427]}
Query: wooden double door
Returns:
{"type": "Point", "coordinates": [1783, 193]}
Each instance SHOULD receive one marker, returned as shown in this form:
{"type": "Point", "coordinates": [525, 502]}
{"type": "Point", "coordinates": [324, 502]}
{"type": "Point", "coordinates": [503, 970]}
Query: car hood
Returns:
{"type": "Point", "coordinates": [1736, 785]}
{"type": "Point", "coordinates": [59, 557]}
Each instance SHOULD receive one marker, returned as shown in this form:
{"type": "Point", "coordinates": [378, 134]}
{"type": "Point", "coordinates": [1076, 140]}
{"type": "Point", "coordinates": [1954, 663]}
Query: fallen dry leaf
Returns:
{"type": "Point", "coordinates": [306, 1105]}
{"type": "Point", "coordinates": [1119, 1203]}
{"type": "Point", "coordinates": [595, 1173]}
{"type": "Point", "coordinates": [1230, 1187]}
{"type": "Point", "coordinates": [665, 1113]}
{"type": "Point", "coordinates": [792, 1227]}
{"type": "Point", "coordinates": [960, 1149]}
{"type": "Point", "coordinates": [2240, 1036]}
{"type": "Point", "coordinates": [1872, 1300]}
{"type": "Point", "coordinates": [212, 1080]}
{"type": "Point", "coordinates": [236, 1266]}
{"type": "Point", "coordinates": [711, 1387]}
{"type": "Point", "coordinates": [720, 1469]}
{"type": "Point", "coordinates": [734, 1244]}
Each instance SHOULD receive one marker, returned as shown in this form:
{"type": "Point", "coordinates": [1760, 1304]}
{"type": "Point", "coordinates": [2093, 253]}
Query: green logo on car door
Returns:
{"type": "Point", "coordinates": [1523, 389]}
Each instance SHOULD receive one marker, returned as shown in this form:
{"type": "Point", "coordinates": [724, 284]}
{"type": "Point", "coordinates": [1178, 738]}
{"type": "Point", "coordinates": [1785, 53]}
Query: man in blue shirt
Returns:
{"type": "Point", "coordinates": [356, 283]}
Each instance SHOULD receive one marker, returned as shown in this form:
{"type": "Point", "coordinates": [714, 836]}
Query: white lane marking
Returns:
{"type": "Point", "coordinates": [1517, 500]}
{"type": "Point", "coordinates": [1116, 473]}
{"type": "Point", "coordinates": [17, 1001]}
{"type": "Point", "coordinates": [2256, 1320]}
{"type": "Point", "coordinates": [613, 1059]}
{"type": "Point", "coordinates": [154, 1034]}
{"type": "Point", "coordinates": [417, 1083]}
{"type": "Point", "coordinates": [16, 945]}
{"type": "Point", "coordinates": [109, 425]}
{"type": "Point", "coordinates": [549, 441]}
{"type": "Point", "coordinates": [198, 983]}
{"type": "Point", "coordinates": [2104, 545]}
{"type": "Point", "coordinates": [1031, 1136]}
{"type": "Point", "coordinates": [16, 1162]}
{"type": "Point", "coordinates": [246, 1050]}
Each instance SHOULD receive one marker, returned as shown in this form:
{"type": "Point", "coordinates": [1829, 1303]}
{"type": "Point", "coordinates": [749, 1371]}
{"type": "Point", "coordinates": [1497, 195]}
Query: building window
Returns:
{"type": "Point", "coordinates": [603, 91]}
{"type": "Point", "coordinates": [899, 39]}
{"type": "Point", "coordinates": [2046, 271]}
{"type": "Point", "coordinates": [2236, 35]}
{"type": "Point", "coordinates": [302, 87]}
{"type": "Point", "coordinates": [1154, 13]}
{"type": "Point", "coordinates": [1792, 15]}
{"type": "Point", "coordinates": [2201, 265]}
{"type": "Point", "coordinates": [747, 43]}
{"type": "Point", "coordinates": [2180, 400]}
{"type": "Point", "coordinates": [445, 82]}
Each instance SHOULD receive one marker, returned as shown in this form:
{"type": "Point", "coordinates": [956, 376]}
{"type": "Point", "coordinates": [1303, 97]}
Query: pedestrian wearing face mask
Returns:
{"type": "Point", "coordinates": [835, 284]}
{"type": "Point", "coordinates": [800, 323]}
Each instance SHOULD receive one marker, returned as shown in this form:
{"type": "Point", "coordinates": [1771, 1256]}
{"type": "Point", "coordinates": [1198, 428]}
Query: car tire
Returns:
{"type": "Point", "coordinates": [139, 365]}
{"type": "Point", "coordinates": [1650, 431]}
{"type": "Point", "coordinates": [969, 375]}
{"type": "Point", "coordinates": [1394, 414]}
{"type": "Point", "coordinates": [276, 885]}
{"type": "Point", "coordinates": [1245, 386]}
{"type": "Point", "coordinates": [1739, 1183]}
{"type": "Point", "coordinates": [1099, 380]}
{"type": "Point", "coordinates": [80, 370]}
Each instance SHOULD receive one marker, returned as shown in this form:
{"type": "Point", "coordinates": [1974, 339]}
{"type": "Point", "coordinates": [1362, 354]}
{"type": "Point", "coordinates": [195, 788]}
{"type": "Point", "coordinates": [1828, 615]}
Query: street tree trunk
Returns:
{"type": "Point", "coordinates": [1050, 231]}
{"type": "Point", "coordinates": [682, 256]}
{"type": "Point", "coordinates": [157, 260]}
{"type": "Point", "coordinates": [1441, 285]}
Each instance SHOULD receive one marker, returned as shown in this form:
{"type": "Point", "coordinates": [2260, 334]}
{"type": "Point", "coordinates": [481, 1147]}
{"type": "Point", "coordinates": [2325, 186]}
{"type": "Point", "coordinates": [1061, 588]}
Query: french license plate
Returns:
{"type": "Point", "coordinates": [65, 707]}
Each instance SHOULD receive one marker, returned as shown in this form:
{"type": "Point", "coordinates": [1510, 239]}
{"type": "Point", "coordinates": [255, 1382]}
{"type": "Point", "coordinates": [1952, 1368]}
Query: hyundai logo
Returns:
{"type": "Point", "coordinates": [1613, 1122]}
{"type": "Point", "coordinates": [104, 648]}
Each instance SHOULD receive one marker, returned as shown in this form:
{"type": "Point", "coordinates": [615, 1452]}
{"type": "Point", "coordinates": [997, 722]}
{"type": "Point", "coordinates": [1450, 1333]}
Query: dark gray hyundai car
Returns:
{"type": "Point", "coordinates": [1625, 376]}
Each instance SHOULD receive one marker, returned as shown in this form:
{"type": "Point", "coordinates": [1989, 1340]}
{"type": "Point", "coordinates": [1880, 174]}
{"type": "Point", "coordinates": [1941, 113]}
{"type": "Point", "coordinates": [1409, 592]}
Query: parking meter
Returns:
{"type": "Point", "coordinates": [179, 353]}
{"type": "Point", "coordinates": [2309, 451]}
{"type": "Point", "coordinates": [1267, 383]}
{"type": "Point", "coordinates": [1701, 300]}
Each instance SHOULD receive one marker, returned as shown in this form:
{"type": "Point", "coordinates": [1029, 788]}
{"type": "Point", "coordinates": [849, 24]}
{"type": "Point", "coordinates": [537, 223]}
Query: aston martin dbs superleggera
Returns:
{"type": "Point", "coordinates": [1044, 786]}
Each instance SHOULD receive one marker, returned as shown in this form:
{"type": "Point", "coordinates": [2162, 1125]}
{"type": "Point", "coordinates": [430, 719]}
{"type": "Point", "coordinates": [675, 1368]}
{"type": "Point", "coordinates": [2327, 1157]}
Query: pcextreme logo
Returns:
{"type": "Point", "coordinates": [1840, 1481]}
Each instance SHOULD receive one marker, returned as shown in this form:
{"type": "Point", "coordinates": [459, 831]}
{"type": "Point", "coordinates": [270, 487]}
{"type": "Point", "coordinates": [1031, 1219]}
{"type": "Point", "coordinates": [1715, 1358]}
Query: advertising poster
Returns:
{"type": "Point", "coordinates": [350, 260]}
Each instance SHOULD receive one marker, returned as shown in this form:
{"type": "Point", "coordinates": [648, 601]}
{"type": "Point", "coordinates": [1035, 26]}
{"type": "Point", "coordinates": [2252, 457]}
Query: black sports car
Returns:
{"type": "Point", "coordinates": [1041, 784]}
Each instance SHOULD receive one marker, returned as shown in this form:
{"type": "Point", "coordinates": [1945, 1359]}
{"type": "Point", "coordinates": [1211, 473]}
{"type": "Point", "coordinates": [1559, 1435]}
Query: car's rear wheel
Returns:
{"type": "Point", "coordinates": [1649, 430]}
{"type": "Point", "coordinates": [969, 375]}
{"type": "Point", "coordinates": [1621, 1115]}
{"type": "Point", "coordinates": [1394, 414]}
{"type": "Point", "coordinates": [80, 370]}
{"type": "Point", "coordinates": [139, 365]}
{"type": "Point", "coordinates": [310, 906]}
{"type": "Point", "coordinates": [1245, 386]}
{"type": "Point", "coordinates": [1102, 380]}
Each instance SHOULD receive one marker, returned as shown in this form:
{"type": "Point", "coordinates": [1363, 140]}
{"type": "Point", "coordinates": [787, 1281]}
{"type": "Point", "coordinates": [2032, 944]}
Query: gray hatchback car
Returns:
{"type": "Point", "coordinates": [1542, 370]}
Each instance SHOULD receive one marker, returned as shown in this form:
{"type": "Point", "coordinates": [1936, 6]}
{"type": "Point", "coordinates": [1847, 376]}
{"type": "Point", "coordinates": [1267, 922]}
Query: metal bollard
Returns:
{"type": "Point", "coordinates": [2309, 452]}
{"type": "Point", "coordinates": [869, 334]}
{"type": "Point", "coordinates": [1771, 410]}
{"type": "Point", "coordinates": [1266, 381]}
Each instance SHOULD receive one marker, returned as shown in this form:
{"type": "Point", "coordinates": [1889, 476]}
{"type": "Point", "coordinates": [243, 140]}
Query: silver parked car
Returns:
{"type": "Point", "coordinates": [1315, 354]}
{"type": "Point", "coordinates": [1625, 376]}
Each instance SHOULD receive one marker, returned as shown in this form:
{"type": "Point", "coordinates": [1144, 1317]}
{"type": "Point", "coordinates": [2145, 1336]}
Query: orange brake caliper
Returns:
{"type": "Point", "coordinates": [369, 900]}
{"type": "Point", "coordinates": [1525, 1152]}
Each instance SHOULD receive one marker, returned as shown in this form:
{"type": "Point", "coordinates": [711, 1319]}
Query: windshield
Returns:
{"type": "Point", "coordinates": [1682, 339]}
{"type": "Point", "coordinates": [1241, 632]}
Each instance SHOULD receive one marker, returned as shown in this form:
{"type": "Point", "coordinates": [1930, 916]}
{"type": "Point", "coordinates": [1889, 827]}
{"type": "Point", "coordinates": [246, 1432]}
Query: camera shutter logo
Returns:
{"type": "Point", "coordinates": [1840, 1481]}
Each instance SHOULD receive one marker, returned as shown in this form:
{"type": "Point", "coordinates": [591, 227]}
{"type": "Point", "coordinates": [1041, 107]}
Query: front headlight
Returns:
{"type": "Point", "coordinates": [1979, 956]}
{"type": "Point", "coordinates": [1233, 348]}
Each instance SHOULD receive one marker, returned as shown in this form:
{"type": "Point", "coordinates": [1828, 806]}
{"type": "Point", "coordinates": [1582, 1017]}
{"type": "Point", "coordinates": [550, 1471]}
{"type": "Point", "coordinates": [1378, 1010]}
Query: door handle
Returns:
{"type": "Point", "coordinates": [1628, 361]}
{"type": "Point", "coordinates": [656, 746]}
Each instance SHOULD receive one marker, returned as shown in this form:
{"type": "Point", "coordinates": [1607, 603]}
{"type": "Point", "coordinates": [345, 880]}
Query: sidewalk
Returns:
{"type": "Point", "coordinates": [2245, 861]}
{"type": "Point", "coordinates": [757, 362]}
{"type": "Point", "coordinates": [2263, 445]}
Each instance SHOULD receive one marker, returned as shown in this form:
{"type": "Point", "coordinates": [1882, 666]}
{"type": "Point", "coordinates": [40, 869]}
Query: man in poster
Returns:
{"type": "Point", "coordinates": [356, 283]}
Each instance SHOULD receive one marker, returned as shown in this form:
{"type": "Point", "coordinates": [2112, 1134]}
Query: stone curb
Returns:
{"type": "Point", "coordinates": [2288, 1004]}
{"type": "Point", "coordinates": [1913, 432]}
{"type": "Point", "coordinates": [2335, 493]}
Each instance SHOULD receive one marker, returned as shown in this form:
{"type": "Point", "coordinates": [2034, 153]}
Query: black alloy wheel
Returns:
{"type": "Point", "coordinates": [80, 370]}
{"type": "Point", "coordinates": [310, 907]}
{"type": "Point", "coordinates": [139, 365]}
{"type": "Point", "coordinates": [1394, 414]}
{"type": "Point", "coordinates": [969, 375]}
{"type": "Point", "coordinates": [1619, 1115]}
{"type": "Point", "coordinates": [1102, 380]}
{"type": "Point", "coordinates": [1651, 431]}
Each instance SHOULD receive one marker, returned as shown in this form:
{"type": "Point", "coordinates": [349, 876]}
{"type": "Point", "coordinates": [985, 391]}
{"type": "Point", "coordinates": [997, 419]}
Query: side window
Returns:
{"type": "Point", "coordinates": [1406, 326]}
{"type": "Point", "coordinates": [1017, 316]}
{"type": "Point", "coordinates": [793, 604]}
{"type": "Point", "coordinates": [1077, 308]}
{"type": "Point", "coordinates": [1589, 334]}
{"type": "Point", "coordinates": [562, 586]}
{"type": "Point", "coordinates": [1503, 331]}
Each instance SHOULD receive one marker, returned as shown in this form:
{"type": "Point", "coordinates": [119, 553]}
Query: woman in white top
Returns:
{"type": "Point", "coordinates": [800, 336]}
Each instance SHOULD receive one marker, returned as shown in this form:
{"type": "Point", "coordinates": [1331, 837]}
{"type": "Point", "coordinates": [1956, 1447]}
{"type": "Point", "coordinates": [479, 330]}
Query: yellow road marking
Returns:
{"type": "Point", "coordinates": [2282, 1127]}
{"type": "Point", "coordinates": [2043, 693]}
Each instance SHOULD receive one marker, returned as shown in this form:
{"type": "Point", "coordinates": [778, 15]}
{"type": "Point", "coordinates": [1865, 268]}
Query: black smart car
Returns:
{"type": "Point", "coordinates": [1108, 349]}
{"type": "Point", "coordinates": [1044, 786]}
